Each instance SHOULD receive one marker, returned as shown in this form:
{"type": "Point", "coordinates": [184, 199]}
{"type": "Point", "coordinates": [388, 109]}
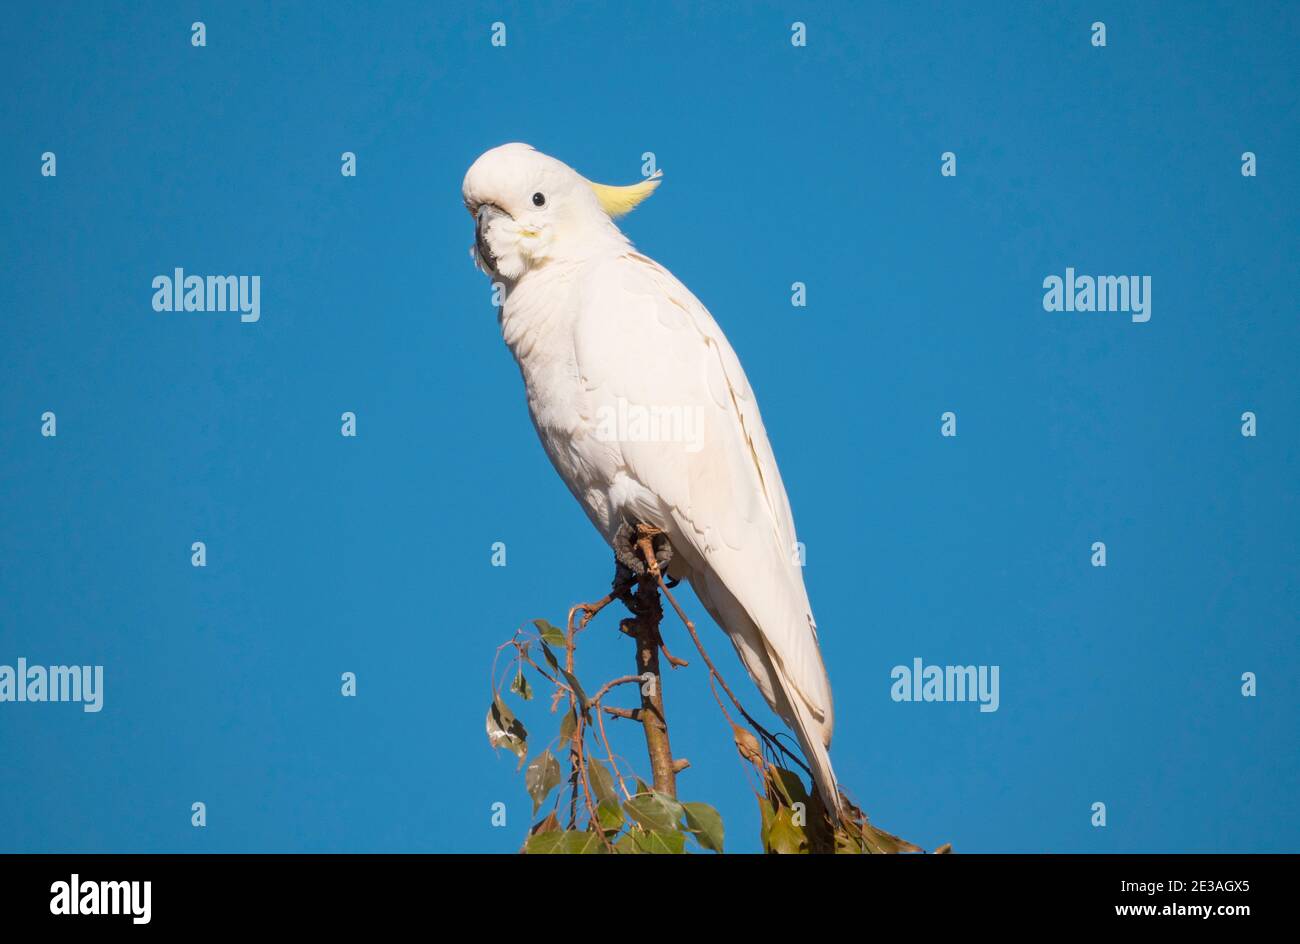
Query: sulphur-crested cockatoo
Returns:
{"type": "Point", "coordinates": [645, 412]}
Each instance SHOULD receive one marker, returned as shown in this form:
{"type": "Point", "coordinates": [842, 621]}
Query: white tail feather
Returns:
{"type": "Point", "coordinates": [809, 732]}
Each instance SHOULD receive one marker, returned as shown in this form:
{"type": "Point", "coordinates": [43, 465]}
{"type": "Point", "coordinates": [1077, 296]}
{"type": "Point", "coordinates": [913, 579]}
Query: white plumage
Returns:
{"type": "Point", "coordinates": [607, 339]}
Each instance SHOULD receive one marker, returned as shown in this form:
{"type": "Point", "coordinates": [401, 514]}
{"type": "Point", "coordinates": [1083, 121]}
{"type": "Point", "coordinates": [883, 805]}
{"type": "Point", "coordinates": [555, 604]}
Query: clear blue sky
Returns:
{"type": "Point", "coordinates": [820, 164]}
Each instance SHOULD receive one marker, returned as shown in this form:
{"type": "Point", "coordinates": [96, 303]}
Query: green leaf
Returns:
{"type": "Point", "coordinates": [544, 843]}
{"type": "Point", "coordinates": [602, 782]}
{"type": "Point", "coordinates": [550, 657]}
{"type": "Point", "coordinates": [655, 842]}
{"type": "Point", "coordinates": [785, 838]}
{"type": "Point", "coordinates": [565, 842]}
{"type": "Point", "coordinates": [655, 812]}
{"type": "Point", "coordinates": [541, 777]}
{"type": "Point", "coordinates": [505, 730]}
{"type": "Point", "coordinates": [550, 634]}
{"type": "Point", "coordinates": [589, 844]}
{"type": "Point", "coordinates": [767, 812]}
{"type": "Point", "coordinates": [788, 786]}
{"type": "Point", "coordinates": [610, 817]}
{"type": "Point", "coordinates": [845, 844]}
{"type": "Point", "coordinates": [705, 824]}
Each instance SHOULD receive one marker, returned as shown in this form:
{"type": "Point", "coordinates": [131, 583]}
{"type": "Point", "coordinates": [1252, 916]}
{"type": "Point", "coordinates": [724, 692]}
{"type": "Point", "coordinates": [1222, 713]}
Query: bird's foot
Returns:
{"type": "Point", "coordinates": [642, 554]}
{"type": "Point", "coordinates": [641, 551]}
{"type": "Point", "coordinates": [641, 548]}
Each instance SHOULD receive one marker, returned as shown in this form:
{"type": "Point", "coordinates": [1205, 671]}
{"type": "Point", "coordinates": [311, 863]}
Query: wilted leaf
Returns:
{"type": "Point", "coordinates": [818, 826]}
{"type": "Point", "coordinates": [747, 744]}
{"type": "Point", "coordinates": [602, 782]}
{"type": "Point", "coordinates": [877, 840]}
{"type": "Point", "coordinates": [567, 725]}
{"type": "Point", "coordinates": [705, 824]}
{"type": "Point", "coordinates": [505, 730]}
{"type": "Point", "coordinates": [577, 689]}
{"type": "Point", "coordinates": [550, 657]}
{"type": "Point", "coordinates": [541, 777]}
{"type": "Point", "coordinates": [550, 824]}
{"type": "Point", "coordinates": [550, 634]}
{"type": "Point", "coordinates": [654, 811]}
{"type": "Point", "coordinates": [521, 687]}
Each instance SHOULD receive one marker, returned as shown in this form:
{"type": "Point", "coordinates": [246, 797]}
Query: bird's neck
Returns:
{"type": "Point", "coordinates": [538, 306]}
{"type": "Point", "coordinates": [544, 303]}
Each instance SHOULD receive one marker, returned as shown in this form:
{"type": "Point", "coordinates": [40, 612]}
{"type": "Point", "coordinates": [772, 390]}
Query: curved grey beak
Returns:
{"type": "Point", "coordinates": [484, 218]}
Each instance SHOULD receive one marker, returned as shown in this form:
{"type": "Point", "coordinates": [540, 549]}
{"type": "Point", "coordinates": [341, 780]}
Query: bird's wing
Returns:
{"type": "Point", "coordinates": [643, 340]}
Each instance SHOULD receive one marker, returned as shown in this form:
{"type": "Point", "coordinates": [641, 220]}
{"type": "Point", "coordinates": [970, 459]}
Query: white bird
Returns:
{"type": "Point", "coordinates": [645, 412]}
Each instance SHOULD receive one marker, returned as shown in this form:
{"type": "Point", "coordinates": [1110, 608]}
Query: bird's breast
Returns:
{"type": "Point", "coordinates": [540, 334]}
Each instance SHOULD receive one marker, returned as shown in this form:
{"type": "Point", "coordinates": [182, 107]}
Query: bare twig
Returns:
{"type": "Point", "coordinates": [767, 736]}
{"type": "Point", "coordinates": [609, 751]}
{"type": "Point", "coordinates": [631, 714]}
{"type": "Point", "coordinates": [580, 759]}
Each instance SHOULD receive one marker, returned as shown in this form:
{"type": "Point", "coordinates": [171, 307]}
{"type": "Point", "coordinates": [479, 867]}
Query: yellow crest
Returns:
{"type": "Point", "coordinates": [616, 201]}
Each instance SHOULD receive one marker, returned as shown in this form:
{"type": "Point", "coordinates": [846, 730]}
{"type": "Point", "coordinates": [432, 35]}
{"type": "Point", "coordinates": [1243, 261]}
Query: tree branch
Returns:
{"type": "Point", "coordinates": [644, 628]}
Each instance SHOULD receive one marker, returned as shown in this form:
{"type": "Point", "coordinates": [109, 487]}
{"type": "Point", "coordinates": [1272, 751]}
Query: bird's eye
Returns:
{"type": "Point", "coordinates": [539, 200]}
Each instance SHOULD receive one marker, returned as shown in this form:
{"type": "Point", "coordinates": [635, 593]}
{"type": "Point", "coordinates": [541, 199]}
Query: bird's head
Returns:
{"type": "Point", "coordinates": [529, 208]}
